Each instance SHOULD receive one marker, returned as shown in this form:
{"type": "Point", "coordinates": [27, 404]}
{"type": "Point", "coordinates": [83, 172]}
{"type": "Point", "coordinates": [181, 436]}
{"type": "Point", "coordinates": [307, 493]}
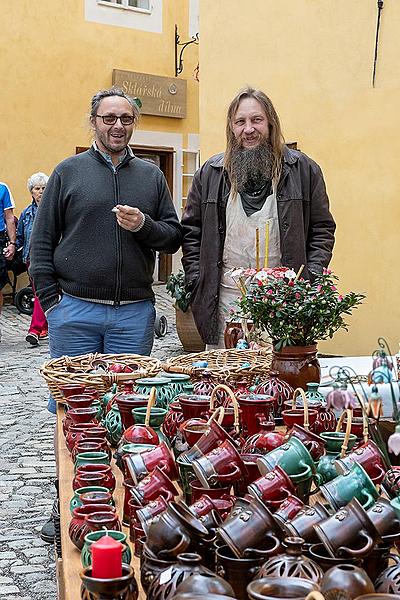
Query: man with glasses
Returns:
{"type": "Point", "coordinates": [102, 217]}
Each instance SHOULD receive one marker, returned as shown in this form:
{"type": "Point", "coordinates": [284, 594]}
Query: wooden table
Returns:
{"type": "Point", "coordinates": [69, 566]}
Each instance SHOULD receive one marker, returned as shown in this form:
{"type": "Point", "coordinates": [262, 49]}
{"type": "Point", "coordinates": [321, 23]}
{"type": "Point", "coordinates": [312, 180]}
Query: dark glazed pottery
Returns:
{"type": "Point", "coordinates": [292, 563]}
{"type": "Point", "coordinates": [348, 581]}
{"type": "Point", "coordinates": [237, 571]}
{"type": "Point", "coordinates": [174, 531]}
{"type": "Point", "coordinates": [349, 532]}
{"type": "Point", "coordinates": [302, 525]}
{"type": "Point", "coordinates": [120, 588]}
{"type": "Point", "coordinates": [297, 365]}
{"type": "Point", "coordinates": [388, 581]}
{"type": "Point", "coordinates": [269, 588]}
{"type": "Point", "coordinates": [320, 554]}
{"type": "Point", "coordinates": [151, 566]}
{"type": "Point", "coordinates": [249, 529]}
{"type": "Point", "coordinates": [204, 584]}
{"type": "Point", "coordinates": [188, 564]}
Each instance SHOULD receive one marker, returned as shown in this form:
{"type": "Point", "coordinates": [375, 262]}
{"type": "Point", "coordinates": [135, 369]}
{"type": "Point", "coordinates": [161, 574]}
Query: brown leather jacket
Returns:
{"type": "Point", "coordinates": [306, 230]}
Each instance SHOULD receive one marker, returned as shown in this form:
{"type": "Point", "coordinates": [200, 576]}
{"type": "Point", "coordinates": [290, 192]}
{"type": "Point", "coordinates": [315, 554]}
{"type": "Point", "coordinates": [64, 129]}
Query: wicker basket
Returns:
{"type": "Point", "coordinates": [60, 371]}
{"type": "Point", "coordinates": [224, 365]}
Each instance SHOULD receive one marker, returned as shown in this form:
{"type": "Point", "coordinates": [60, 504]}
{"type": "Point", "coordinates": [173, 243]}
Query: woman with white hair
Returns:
{"type": "Point", "coordinates": [36, 186]}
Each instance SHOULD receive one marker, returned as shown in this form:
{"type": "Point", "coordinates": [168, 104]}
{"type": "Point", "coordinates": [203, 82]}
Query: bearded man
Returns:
{"type": "Point", "coordinates": [258, 183]}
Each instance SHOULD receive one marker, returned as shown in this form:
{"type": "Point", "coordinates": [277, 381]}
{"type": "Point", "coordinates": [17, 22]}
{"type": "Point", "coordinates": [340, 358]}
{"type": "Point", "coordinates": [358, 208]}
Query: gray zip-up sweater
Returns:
{"type": "Point", "coordinates": [78, 247]}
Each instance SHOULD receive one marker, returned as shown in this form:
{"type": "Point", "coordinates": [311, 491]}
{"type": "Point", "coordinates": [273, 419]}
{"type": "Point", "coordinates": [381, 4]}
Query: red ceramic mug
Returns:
{"type": "Point", "coordinates": [368, 456]}
{"type": "Point", "coordinates": [213, 437]}
{"type": "Point", "coordinates": [222, 465]}
{"type": "Point", "coordinates": [141, 464]}
{"type": "Point", "coordinates": [157, 483]}
{"type": "Point", "coordinates": [273, 486]}
{"type": "Point", "coordinates": [198, 490]}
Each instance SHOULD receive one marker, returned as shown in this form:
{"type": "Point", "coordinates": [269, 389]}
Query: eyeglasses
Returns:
{"type": "Point", "coordinates": [112, 119]}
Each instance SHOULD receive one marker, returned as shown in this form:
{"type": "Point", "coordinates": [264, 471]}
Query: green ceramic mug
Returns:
{"type": "Point", "coordinates": [293, 457]}
{"type": "Point", "coordinates": [333, 440]}
{"type": "Point", "coordinates": [353, 484]}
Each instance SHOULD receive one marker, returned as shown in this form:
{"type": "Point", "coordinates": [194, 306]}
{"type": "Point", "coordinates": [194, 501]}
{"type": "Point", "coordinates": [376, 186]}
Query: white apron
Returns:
{"type": "Point", "coordinates": [240, 251]}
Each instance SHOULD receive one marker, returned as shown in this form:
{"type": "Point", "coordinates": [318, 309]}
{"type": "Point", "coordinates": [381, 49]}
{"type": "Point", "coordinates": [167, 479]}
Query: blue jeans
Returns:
{"type": "Point", "coordinates": [78, 327]}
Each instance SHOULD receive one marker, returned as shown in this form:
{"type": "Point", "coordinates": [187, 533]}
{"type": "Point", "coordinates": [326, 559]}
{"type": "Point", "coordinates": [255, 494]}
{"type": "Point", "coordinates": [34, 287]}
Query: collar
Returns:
{"type": "Point", "coordinates": [107, 157]}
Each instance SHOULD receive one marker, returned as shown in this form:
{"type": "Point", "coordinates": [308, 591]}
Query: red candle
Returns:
{"type": "Point", "coordinates": [107, 558]}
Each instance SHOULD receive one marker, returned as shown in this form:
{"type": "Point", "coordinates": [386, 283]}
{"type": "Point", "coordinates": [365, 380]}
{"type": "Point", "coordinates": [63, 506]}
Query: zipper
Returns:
{"type": "Point", "coordinates": [117, 294]}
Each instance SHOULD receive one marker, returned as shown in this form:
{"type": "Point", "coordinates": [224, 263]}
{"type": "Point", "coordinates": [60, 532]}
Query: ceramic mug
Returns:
{"type": "Point", "coordinates": [349, 532]}
{"type": "Point", "coordinates": [302, 525]}
{"type": "Point", "coordinates": [141, 464]}
{"type": "Point", "coordinates": [352, 484]}
{"type": "Point", "coordinates": [369, 457]}
{"type": "Point", "coordinates": [250, 529]}
{"type": "Point", "coordinates": [293, 457]}
{"type": "Point", "coordinates": [275, 485]}
{"type": "Point", "coordinates": [221, 465]}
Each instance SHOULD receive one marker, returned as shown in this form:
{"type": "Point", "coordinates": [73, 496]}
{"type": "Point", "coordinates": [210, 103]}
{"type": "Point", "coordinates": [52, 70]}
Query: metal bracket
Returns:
{"type": "Point", "coordinates": [179, 59]}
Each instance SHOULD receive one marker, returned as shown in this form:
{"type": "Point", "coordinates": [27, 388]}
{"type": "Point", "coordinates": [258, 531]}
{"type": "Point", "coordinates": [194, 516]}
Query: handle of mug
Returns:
{"type": "Point", "coordinates": [306, 473]}
{"type": "Point", "coordinates": [370, 500]}
{"type": "Point", "coordinates": [181, 546]}
{"type": "Point", "coordinates": [167, 495]}
{"type": "Point", "coordinates": [380, 475]}
{"type": "Point", "coordinates": [314, 595]}
{"type": "Point", "coordinates": [318, 480]}
{"type": "Point", "coordinates": [228, 476]}
{"type": "Point", "coordinates": [267, 551]}
{"type": "Point", "coordinates": [360, 551]}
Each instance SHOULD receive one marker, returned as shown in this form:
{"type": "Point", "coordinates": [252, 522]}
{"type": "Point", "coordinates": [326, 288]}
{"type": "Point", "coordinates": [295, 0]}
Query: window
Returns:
{"type": "Point", "coordinates": [145, 15]}
{"type": "Point", "coordinates": [135, 4]}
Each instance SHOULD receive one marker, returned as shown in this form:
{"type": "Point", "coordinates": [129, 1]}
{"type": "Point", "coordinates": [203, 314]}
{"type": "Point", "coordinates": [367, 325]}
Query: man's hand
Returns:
{"type": "Point", "coordinates": [128, 217]}
{"type": "Point", "coordinates": [9, 251]}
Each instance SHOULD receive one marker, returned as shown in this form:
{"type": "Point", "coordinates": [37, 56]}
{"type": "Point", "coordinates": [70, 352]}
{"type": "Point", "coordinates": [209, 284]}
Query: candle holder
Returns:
{"type": "Point", "coordinates": [120, 588]}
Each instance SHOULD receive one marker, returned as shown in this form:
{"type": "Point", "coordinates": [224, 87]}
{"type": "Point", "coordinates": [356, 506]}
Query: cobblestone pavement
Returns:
{"type": "Point", "coordinates": [27, 465]}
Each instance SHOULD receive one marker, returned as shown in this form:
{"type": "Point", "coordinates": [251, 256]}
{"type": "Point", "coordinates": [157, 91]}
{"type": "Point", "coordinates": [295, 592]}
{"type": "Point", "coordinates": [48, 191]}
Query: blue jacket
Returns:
{"type": "Point", "coordinates": [24, 230]}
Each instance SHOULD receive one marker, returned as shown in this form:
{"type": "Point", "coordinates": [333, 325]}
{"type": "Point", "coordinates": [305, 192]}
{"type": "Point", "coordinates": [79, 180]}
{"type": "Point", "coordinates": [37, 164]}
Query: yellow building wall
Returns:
{"type": "Point", "coordinates": [314, 58]}
{"type": "Point", "coordinates": [53, 61]}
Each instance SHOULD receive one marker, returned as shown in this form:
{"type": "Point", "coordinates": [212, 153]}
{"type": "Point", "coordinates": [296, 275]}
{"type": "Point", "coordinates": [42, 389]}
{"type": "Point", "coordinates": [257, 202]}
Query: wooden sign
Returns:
{"type": "Point", "coordinates": [160, 96]}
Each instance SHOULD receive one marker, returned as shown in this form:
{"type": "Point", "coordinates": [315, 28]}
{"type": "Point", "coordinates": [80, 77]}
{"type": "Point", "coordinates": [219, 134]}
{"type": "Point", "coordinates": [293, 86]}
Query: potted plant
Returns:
{"type": "Point", "coordinates": [185, 325]}
{"type": "Point", "coordinates": [295, 313]}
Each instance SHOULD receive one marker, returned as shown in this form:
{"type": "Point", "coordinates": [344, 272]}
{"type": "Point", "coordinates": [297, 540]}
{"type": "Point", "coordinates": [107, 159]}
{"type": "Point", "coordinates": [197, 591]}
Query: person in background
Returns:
{"type": "Point", "coordinates": [103, 216]}
{"type": "Point", "coordinates": [7, 235]}
{"type": "Point", "coordinates": [258, 183]}
{"type": "Point", "coordinates": [36, 186]}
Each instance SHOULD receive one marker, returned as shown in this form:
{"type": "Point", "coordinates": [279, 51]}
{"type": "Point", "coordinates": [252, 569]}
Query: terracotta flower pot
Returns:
{"type": "Point", "coordinates": [297, 365]}
{"type": "Point", "coordinates": [187, 331]}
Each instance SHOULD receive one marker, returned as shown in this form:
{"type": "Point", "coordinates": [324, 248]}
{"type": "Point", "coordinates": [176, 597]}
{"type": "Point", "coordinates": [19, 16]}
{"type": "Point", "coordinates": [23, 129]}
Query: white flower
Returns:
{"type": "Point", "coordinates": [394, 441]}
{"type": "Point", "coordinates": [261, 276]}
{"type": "Point", "coordinates": [290, 274]}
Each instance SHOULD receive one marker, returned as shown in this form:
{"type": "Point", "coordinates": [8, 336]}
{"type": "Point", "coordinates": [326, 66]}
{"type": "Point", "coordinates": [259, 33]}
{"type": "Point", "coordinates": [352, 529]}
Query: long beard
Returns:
{"type": "Point", "coordinates": [251, 168]}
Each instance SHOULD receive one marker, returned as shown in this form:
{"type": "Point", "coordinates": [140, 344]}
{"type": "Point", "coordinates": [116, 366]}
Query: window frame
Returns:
{"type": "Point", "coordinates": [124, 6]}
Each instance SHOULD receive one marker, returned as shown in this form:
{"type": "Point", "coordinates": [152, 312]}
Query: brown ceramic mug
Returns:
{"type": "Point", "coordinates": [302, 525]}
{"type": "Point", "coordinates": [249, 529]}
{"type": "Point", "coordinates": [349, 532]}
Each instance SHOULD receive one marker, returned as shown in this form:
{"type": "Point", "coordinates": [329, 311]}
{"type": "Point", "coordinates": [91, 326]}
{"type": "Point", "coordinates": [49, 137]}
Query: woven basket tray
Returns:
{"type": "Point", "coordinates": [77, 369]}
{"type": "Point", "coordinates": [225, 365]}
